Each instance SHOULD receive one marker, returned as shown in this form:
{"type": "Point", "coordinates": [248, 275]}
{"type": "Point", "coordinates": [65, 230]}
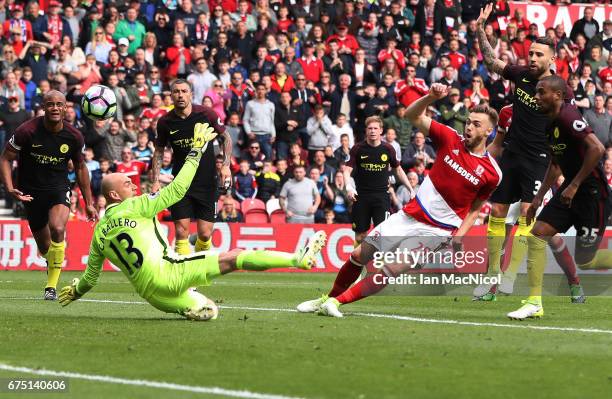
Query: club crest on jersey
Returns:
{"type": "Point", "coordinates": [456, 151]}
{"type": "Point", "coordinates": [479, 170]}
{"type": "Point", "coordinates": [384, 157]}
{"type": "Point", "coordinates": [64, 148]}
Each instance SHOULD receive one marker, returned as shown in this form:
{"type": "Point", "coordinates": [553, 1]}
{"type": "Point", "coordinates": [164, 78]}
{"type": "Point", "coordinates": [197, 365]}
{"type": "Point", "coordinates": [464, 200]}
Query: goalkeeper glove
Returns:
{"type": "Point", "coordinates": [69, 293]}
{"type": "Point", "coordinates": [202, 135]}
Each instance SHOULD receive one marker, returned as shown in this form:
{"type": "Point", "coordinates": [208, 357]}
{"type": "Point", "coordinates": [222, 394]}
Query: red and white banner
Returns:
{"type": "Point", "coordinates": [548, 16]}
{"type": "Point", "coordinates": [18, 249]}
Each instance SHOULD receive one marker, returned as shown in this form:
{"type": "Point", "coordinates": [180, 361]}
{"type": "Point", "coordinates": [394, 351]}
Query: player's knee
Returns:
{"type": "Point", "coordinates": [499, 210]}
{"type": "Point", "coordinates": [57, 232]}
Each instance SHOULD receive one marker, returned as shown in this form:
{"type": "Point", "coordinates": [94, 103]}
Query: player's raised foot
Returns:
{"type": "Point", "coordinates": [305, 258]}
{"type": "Point", "coordinates": [481, 291]}
{"type": "Point", "coordinates": [529, 310]}
{"type": "Point", "coordinates": [330, 308]}
{"type": "Point", "coordinates": [209, 311]}
{"type": "Point", "coordinates": [50, 294]}
{"type": "Point", "coordinates": [488, 297]}
{"type": "Point", "coordinates": [506, 286]}
{"type": "Point", "coordinates": [312, 306]}
{"type": "Point", "coordinates": [577, 294]}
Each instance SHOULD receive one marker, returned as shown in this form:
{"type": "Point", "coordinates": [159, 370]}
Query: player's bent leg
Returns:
{"type": "Point", "coordinates": [190, 304]}
{"type": "Point", "coordinates": [181, 231]}
{"type": "Point", "coordinates": [519, 251]}
{"type": "Point", "coordinates": [204, 239]}
{"type": "Point", "coordinates": [566, 262]}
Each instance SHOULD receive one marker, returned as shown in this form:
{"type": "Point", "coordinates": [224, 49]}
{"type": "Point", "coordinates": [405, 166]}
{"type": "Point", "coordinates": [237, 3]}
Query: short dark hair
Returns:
{"type": "Point", "coordinates": [179, 82]}
{"type": "Point", "coordinates": [490, 112]}
{"type": "Point", "coordinates": [556, 83]}
{"type": "Point", "coordinates": [547, 41]}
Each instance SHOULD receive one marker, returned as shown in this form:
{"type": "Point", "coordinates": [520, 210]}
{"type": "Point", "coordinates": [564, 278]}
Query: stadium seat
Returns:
{"type": "Point", "coordinates": [278, 217]}
{"type": "Point", "coordinates": [252, 203]}
{"type": "Point", "coordinates": [272, 205]}
{"type": "Point", "coordinates": [256, 215]}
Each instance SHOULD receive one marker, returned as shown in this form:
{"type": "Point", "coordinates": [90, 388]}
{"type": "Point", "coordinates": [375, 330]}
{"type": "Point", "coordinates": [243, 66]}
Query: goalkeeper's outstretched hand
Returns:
{"type": "Point", "coordinates": [69, 293]}
{"type": "Point", "coordinates": [202, 135]}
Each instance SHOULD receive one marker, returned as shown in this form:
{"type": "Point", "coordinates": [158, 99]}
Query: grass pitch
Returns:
{"type": "Point", "coordinates": [272, 352]}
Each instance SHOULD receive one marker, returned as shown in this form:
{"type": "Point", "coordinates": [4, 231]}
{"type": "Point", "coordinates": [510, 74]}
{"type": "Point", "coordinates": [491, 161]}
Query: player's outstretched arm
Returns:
{"type": "Point", "coordinates": [156, 166]}
{"type": "Point", "coordinates": [88, 280]}
{"type": "Point", "coordinates": [491, 61]}
{"type": "Point", "coordinates": [416, 111]}
{"type": "Point", "coordinates": [150, 205]}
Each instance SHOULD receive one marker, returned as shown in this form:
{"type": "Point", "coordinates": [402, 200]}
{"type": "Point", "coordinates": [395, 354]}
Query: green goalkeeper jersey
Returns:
{"type": "Point", "coordinates": [130, 237]}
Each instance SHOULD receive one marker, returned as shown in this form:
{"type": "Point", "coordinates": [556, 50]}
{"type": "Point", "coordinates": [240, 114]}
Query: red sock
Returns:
{"type": "Point", "coordinates": [566, 262]}
{"type": "Point", "coordinates": [347, 275]}
{"type": "Point", "coordinates": [364, 288]}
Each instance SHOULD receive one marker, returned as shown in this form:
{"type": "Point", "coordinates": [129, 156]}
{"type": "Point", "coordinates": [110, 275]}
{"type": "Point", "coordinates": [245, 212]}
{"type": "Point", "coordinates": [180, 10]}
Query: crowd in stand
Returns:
{"type": "Point", "coordinates": [293, 81]}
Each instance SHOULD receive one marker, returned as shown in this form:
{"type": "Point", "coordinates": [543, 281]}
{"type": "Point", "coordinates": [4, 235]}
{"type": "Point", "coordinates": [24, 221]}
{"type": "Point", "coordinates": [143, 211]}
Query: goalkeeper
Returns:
{"type": "Point", "coordinates": [129, 236]}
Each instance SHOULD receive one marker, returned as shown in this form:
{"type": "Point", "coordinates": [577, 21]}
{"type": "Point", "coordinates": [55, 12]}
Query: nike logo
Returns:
{"type": "Point", "coordinates": [37, 145]}
{"type": "Point", "coordinates": [364, 156]}
{"type": "Point", "coordinates": [174, 131]}
{"type": "Point", "coordinates": [543, 155]}
{"type": "Point", "coordinates": [525, 80]}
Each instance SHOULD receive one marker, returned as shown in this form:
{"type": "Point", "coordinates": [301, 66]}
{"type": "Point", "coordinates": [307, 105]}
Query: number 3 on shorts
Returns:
{"type": "Point", "coordinates": [537, 186]}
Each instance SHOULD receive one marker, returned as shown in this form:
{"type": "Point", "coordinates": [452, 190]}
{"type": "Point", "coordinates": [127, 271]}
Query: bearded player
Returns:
{"type": "Point", "coordinates": [176, 129]}
{"type": "Point", "coordinates": [582, 201]}
{"type": "Point", "coordinates": [129, 236]}
{"type": "Point", "coordinates": [526, 155]}
{"type": "Point", "coordinates": [446, 205]}
{"type": "Point", "coordinates": [43, 147]}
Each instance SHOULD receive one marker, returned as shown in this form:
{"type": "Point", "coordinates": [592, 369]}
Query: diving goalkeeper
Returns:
{"type": "Point", "coordinates": [129, 236]}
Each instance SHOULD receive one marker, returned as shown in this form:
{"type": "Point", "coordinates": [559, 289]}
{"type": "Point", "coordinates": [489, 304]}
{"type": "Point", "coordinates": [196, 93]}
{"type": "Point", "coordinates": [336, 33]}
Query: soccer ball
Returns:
{"type": "Point", "coordinates": [99, 103]}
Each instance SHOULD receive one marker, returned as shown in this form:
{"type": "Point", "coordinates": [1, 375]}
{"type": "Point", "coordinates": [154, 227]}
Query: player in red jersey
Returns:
{"type": "Point", "coordinates": [582, 201]}
{"type": "Point", "coordinates": [447, 204]}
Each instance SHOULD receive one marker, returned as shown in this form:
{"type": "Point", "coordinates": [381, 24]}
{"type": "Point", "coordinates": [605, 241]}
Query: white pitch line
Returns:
{"type": "Point", "coordinates": [376, 315]}
{"type": "Point", "coordinates": [146, 383]}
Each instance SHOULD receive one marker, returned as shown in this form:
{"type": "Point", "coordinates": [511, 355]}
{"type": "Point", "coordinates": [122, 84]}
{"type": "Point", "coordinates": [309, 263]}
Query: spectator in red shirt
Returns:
{"type": "Point", "coordinates": [347, 43]}
{"type": "Point", "coordinates": [176, 68]}
{"type": "Point", "coordinates": [133, 169]}
{"type": "Point", "coordinates": [409, 90]}
{"type": "Point", "coordinates": [154, 110]}
{"type": "Point", "coordinates": [391, 51]}
{"type": "Point", "coordinates": [605, 74]}
{"type": "Point", "coordinates": [311, 65]}
{"type": "Point", "coordinates": [281, 81]}
{"type": "Point", "coordinates": [456, 58]}
{"type": "Point", "coordinates": [477, 92]}
{"type": "Point", "coordinates": [521, 45]}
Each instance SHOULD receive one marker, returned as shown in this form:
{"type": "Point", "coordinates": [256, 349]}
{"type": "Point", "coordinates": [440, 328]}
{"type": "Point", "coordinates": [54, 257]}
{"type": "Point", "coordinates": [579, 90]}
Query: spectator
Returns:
{"type": "Point", "coordinates": [608, 171]}
{"type": "Point", "coordinates": [319, 128]}
{"type": "Point", "coordinates": [344, 100]}
{"type": "Point", "coordinates": [389, 137]}
{"type": "Point", "coordinates": [319, 163]}
{"type": "Point", "coordinates": [98, 174]}
{"type": "Point", "coordinates": [165, 170]}
{"type": "Point", "coordinates": [116, 139]}
{"type": "Point", "coordinates": [131, 168]}
{"type": "Point", "coordinates": [235, 132]}
{"type": "Point", "coordinates": [477, 93]}
{"type": "Point", "coordinates": [91, 163]}
{"type": "Point", "coordinates": [336, 195]}
{"type": "Point", "coordinates": [411, 89]}
{"type": "Point", "coordinates": [418, 151]}
{"type": "Point", "coordinates": [259, 121]}
{"type": "Point", "coordinates": [268, 182]}
{"type": "Point", "coordinates": [10, 88]}
{"type": "Point", "coordinates": [245, 185]}
{"type": "Point", "coordinates": [454, 113]}
{"type": "Point", "coordinates": [342, 153]}
{"type": "Point", "coordinates": [340, 128]}
{"type": "Point", "coordinates": [202, 80]}
{"type": "Point", "coordinates": [132, 29]}
{"type": "Point", "coordinates": [253, 156]}
{"type": "Point", "coordinates": [11, 119]}
{"type": "Point", "coordinates": [99, 46]}
{"type": "Point", "coordinates": [288, 120]}
{"type": "Point", "coordinates": [605, 73]}
{"type": "Point", "coordinates": [143, 150]}
{"type": "Point", "coordinates": [87, 75]}
{"type": "Point", "coordinates": [600, 120]}
{"type": "Point", "coordinates": [178, 57]}
{"type": "Point", "coordinates": [281, 82]}
{"type": "Point", "coordinates": [229, 213]}
{"type": "Point", "coordinates": [586, 26]}
{"type": "Point", "coordinates": [299, 197]}
{"type": "Point", "coordinates": [282, 170]}
{"type": "Point", "coordinates": [471, 69]}
{"type": "Point", "coordinates": [401, 125]}
{"type": "Point", "coordinates": [241, 93]}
